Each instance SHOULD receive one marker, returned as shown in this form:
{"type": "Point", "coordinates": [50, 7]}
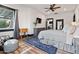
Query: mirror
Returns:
{"type": "Point", "coordinates": [49, 23]}
{"type": "Point", "coordinates": [59, 24]}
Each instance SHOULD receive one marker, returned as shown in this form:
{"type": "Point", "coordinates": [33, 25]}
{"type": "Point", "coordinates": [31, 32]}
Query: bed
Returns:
{"type": "Point", "coordinates": [65, 35]}
{"type": "Point", "coordinates": [57, 38]}
{"type": "Point", "coordinates": [56, 35]}
{"type": "Point", "coordinates": [53, 40]}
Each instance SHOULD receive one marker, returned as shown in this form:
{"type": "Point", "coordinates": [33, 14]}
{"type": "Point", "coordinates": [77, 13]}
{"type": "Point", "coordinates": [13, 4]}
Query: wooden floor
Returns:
{"type": "Point", "coordinates": [29, 49]}
{"type": "Point", "coordinates": [26, 49]}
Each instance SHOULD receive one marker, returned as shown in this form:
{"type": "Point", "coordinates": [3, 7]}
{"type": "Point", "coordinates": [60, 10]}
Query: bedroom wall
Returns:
{"type": "Point", "coordinates": [77, 13]}
{"type": "Point", "coordinates": [27, 16]}
{"type": "Point", "coordinates": [33, 15]}
{"type": "Point", "coordinates": [22, 15]}
{"type": "Point", "coordinates": [67, 16]}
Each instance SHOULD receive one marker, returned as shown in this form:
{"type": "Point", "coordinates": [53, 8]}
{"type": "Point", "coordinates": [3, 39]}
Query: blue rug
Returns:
{"type": "Point", "coordinates": [36, 42]}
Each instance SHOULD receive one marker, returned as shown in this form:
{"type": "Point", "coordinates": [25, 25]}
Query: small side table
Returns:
{"type": "Point", "coordinates": [23, 30]}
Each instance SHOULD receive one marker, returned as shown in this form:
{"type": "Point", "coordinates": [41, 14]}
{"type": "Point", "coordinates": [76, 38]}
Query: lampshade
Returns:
{"type": "Point", "coordinates": [74, 23]}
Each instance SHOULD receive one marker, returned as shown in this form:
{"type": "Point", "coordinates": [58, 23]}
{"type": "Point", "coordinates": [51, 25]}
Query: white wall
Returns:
{"type": "Point", "coordinates": [33, 15]}
{"type": "Point", "coordinates": [67, 16]}
{"type": "Point", "coordinates": [77, 13]}
{"type": "Point", "coordinates": [22, 15]}
{"type": "Point", "coordinates": [27, 16]}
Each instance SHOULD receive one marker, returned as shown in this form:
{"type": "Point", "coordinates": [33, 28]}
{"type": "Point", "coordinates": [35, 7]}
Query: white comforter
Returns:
{"type": "Point", "coordinates": [49, 36]}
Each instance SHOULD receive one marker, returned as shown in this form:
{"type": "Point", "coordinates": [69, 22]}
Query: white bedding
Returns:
{"type": "Point", "coordinates": [49, 36]}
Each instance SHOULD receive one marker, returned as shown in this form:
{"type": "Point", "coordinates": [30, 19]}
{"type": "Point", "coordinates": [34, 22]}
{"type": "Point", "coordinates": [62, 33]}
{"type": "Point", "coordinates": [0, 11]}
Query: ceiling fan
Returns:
{"type": "Point", "coordinates": [52, 7]}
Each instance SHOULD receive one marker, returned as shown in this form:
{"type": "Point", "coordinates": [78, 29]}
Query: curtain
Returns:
{"type": "Point", "coordinates": [16, 31]}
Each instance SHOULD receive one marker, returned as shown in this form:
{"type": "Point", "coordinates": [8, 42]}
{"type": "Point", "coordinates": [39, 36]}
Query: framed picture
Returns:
{"type": "Point", "coordinates": [59, 24]}
{"type": "Point", "coordinates": [49, 23]}
{"type": "Point", "coordinates": [38, 20]}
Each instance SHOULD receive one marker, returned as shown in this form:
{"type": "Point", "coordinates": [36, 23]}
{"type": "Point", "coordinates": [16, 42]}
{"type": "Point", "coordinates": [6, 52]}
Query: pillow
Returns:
{"type": "Point", "coordinates": [66, 29]}
{"type": "Point", "coordinates": [72, 30]}
{"type": "Point", "coordinates": [76, 33]}
{"type": "Point", "coordinates": [69, 29]}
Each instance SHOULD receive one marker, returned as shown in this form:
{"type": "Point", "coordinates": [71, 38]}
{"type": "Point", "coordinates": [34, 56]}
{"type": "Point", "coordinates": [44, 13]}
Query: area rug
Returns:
{"type": "Point", "coordinates": [36, 42]}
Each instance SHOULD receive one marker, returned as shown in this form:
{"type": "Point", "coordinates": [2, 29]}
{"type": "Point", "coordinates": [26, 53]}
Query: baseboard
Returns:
{"type": "Point", "coordinates": [30, 34]}
{"type": "Point", "coordinates": [26, 35]}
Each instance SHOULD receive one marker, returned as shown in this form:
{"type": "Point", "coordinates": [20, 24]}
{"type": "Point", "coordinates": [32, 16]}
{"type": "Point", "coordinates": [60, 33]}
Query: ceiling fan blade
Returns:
{"type": "Point", "coordinates": [52, 10]}
{"type": "Point", "coordinates": [47, 10]}
{"type": "Point", "coordinates": [55, 13]}
{"type": "Point", "coordinates": [53, 5]}
{"type": "Point", "coordinates": [56, 7]}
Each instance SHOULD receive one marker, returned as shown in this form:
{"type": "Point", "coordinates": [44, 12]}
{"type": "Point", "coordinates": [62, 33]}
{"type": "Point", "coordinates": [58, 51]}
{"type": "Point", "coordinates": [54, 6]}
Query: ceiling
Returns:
{"type": "Point", "coordinates": [41, 8]}
{"type": "Point", "coordinates": [64, 8]}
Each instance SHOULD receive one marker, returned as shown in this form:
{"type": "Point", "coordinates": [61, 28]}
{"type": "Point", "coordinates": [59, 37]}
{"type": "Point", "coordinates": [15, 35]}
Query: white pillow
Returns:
{"type": "Point", "coordinates": [72, 30]}
{"type": "Point", "coordinates": [66, 29]}
{"type": "Point", "coordinates": [69, 29]}
{"type": "Point", "coordinates": [76, 33]}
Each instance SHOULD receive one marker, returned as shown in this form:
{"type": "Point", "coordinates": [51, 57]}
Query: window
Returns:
{"type": "Point", "coordinates": [6, 17]}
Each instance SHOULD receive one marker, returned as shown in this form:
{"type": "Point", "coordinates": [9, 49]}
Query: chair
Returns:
{"type": "Point", "coordinates": [10, 45]}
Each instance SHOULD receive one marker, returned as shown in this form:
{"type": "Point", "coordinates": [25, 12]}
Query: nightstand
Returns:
{"type": "Point", "coordinates": [37, 31]}
{"type": "Point", "coordinates": [23, 30]}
